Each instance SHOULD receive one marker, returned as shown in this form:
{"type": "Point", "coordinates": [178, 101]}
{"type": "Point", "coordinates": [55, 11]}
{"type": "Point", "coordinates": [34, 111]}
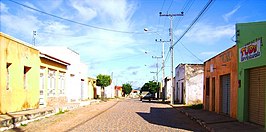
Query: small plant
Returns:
{"type": "Point", "coordinates": [23, 124]}
{"type": "Point", "coordinates": [60, 112]}
{"type": "Point", "coordinates": [196, 106]}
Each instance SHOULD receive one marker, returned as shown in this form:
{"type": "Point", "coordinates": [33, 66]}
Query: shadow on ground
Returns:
{"type": "Point", "coordinates": [171, 118]}
{"type": "Point", "coordinates": [156, 101]}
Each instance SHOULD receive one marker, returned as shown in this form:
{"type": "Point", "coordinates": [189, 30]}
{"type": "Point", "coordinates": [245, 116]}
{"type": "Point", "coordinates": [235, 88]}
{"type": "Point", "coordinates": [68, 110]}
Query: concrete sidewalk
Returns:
{"type": "Point", "coordinates": [215, 122]}
{"type": "Point", "coordinates": [14, 119]}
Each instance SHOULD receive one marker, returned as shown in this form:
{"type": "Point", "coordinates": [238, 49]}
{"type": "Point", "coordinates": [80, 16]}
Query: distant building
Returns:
{"type": "Point", "coordinates": [118, 91]}
{"type": "Point", "coordinates": [189, 84]}
{"type": "Point", "coordinates": [92, 90]}
{"type": "Point", "coordinates": [134, 93]}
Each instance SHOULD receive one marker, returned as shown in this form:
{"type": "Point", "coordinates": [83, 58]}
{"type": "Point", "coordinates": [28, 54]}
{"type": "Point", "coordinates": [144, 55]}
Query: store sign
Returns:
{"type": "Point", "coordinates": [251, 50]}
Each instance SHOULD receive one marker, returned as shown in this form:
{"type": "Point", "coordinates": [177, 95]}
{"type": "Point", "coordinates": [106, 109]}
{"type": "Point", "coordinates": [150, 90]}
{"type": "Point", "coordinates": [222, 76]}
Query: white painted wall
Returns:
{"type": "Point", "coordinates": [191, 76]}
{"type": "Point", "coordinates": [194, 84]}
{"type": "Point", "coordinates": [75, 71]}
{"type": "Point", "coordinates": [179, 79]}
{"type": "Point", "coordinates": [168, 89]}
{"type": "Point", "coordinates": [109, 91]}
{"type": "Point", "coordinates": [84, 84]}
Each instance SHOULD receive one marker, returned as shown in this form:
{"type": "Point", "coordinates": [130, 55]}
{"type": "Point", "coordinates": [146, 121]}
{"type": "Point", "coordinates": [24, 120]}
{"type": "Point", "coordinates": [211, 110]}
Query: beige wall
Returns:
{"type": "Point", "coordinates": [57, 99]}
{"type": "Point", "coordinates": [18, 55]}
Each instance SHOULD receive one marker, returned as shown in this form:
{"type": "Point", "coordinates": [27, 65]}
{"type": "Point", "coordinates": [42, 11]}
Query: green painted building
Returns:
{"type": "Point", "coordinates": [251, 45]}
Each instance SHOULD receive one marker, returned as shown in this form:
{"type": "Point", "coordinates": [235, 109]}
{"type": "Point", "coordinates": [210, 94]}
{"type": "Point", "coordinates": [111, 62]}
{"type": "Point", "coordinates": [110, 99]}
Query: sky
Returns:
{"type": "Point", "coordinates": [110, 38]}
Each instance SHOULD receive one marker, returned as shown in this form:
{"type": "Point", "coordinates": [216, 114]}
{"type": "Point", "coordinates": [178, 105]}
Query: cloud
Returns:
{"type": "Point", "coordinates": [135, 73]}
{"type": "Point", "coordinates": [133, 67]}
{"type": "Point", "coordinates": [209, 34]}
{"type": "Point", "coordinates": [4, 8]}
{"type": "Point", "coordinates": [209, 53]}
{"type": "Point", "coordinates": [231, 13]}
{"type": "Point", "coordinates": [85, 12]}
{"type": "Point", "coordinates": [100, 50]}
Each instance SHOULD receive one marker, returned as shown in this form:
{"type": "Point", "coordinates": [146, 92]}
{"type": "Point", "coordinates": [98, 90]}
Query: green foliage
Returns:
{"type": "Point", "coordinates": [61, 112]}
{"type": "Point", "coordinates": [103, 80]}
{"type": "Point", "coordinates": [127, 88]}
{"type": "Point", "coordinates": [196, 106]}
{"type": "Point", "coordinates": [23, 124]}
{"type": "Point", "coordinates": [150, 86]}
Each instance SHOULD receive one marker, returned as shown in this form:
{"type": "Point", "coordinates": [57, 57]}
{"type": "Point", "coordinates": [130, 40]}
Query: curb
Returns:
{"type": "Point", "coordinates": [199, 121]}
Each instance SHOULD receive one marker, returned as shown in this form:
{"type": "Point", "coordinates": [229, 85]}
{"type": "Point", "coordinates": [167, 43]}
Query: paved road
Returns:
{"type": "Point", "coordinates": [134, 115]}
{"type": "Point", "coordinates": [118, 116]}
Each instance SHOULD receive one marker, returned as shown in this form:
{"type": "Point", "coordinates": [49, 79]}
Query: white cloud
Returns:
{"type": "Point", "coordinates": [49, 6]}
{"type": "Point", "coordinates": [231, 13]}
{"type": "Point", "coordinates": [209, 34]}
{"type": "Point", "coordinates": [3, 8]}
{"type": "Point", "coordinates": [85, 11]}
{"type": "Point", "coordinates": [209, 53]}
{"type": "Point", "coordinates": [96, 47]}
{"type": "Point", "coordinates": [24, 26]}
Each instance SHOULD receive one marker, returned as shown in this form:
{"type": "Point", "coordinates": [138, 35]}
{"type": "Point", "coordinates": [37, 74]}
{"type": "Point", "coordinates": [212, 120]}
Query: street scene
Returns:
{"type": "Point", "coordinates": [133, 65]}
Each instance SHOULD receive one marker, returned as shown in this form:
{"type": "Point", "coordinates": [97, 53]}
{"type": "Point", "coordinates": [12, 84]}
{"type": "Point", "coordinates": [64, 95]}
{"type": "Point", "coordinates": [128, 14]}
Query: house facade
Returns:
{"type": "Point", "coordinates": [251, 51]}
{"type": "Point", "coordinates": [19, 68]}
{"type": "Point", "coordinates": [52, 81]}
{"type": "Point", "coordinates": [221, 83]}
{"type": "Point", "coordinates": [118, 91]}
{"type": "Point", "coordinates": [167, 89]}
{"type": "Point", "coordinates": [189, 83]}
{"type": "Point", "coordinates": [84, 81]}
{"type": "Point", "coordinates": [92, 91]}
{"type": "Point", "coordinates": [75, 71]}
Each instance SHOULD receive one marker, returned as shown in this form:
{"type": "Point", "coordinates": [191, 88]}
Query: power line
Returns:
{"type": "Point", "coordinates": [191, 52]}
{"type": "Point", "coordinates": [185, 9]}
{"type": "Point", "coordinates": [79, 23]}
{"type": "Point", "coordinates": [170, 6]}
{"type": "Point", "coordinates": [195, 20]}
{"type": "Point", "coordinates": [162, 5]}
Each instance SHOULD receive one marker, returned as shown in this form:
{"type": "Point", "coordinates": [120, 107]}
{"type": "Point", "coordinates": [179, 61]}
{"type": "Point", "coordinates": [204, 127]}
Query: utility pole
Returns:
{"type": "Point", "coordinates": [172, 51]}
{"type": "Point", "coordinates": [163, 66]}
{"type": "Point", "coordinates": [157, 57]}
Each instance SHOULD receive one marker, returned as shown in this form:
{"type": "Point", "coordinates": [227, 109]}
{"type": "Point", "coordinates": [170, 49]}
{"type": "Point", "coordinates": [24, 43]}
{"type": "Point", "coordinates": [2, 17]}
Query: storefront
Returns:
{"type": "Point", "coordinates": [220, 83]}
{"type": "Point", "coordinates": [251, 72]}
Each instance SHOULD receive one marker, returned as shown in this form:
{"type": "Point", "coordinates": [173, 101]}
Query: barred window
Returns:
{"type": "Point", "coordinates": [61, 83]}
{"type": "Point", "coordinates": [51, 83]}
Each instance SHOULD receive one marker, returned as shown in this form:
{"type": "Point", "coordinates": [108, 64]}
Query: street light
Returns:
{"type": "Point", "coordinates": [163, 61]}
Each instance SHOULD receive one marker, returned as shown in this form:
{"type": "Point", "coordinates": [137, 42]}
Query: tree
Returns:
{"type": "Point", "coordinates": [127, 88]}
{"type": "Point", "coordinates": [103, 81]}
{"type": "Point", "coordinates": [150, 86]}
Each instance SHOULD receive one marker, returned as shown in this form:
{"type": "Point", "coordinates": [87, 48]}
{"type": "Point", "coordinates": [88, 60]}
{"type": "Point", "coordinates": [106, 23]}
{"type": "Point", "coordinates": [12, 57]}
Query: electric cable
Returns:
{"type": "Point", "coordinates": [72, 21]}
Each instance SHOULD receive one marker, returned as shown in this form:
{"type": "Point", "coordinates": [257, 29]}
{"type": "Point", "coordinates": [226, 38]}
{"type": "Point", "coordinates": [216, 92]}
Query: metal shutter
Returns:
{"type": "Point", "coordinates": [225, 82]}
{"type": "Point", "coordinates": [257, 84]}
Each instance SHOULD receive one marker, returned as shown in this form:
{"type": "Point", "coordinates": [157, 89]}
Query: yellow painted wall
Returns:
{"type": "Point", "coordinates": [91, 86]}
{"type": "Point", "coordinates": [47, 64]}
{"type": "Point", "coordinates": [19, 54]}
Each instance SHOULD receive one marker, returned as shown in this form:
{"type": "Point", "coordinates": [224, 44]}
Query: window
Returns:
{"type": "Point", "coordinates": [26, 71]}
{"type": "Point", "coordinates": [61, 83]}
{"type": "Point", "coordinates": [7, 76]}
{"type": "Point", "coordinates": [42, 81]}
{"type": "Point", "coordinates": [51, 82]}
